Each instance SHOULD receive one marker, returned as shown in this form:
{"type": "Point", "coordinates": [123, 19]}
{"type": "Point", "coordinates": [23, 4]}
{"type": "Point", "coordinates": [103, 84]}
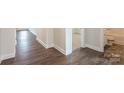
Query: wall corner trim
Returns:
{"type": "Point", "coordinates": [60, 49]}
{"type": "Point", "coordinates": [33, 32]}
{"type": "Point", "coordinates": [93, 47]}
{"type": "Point", "coordinates": [41, 42]}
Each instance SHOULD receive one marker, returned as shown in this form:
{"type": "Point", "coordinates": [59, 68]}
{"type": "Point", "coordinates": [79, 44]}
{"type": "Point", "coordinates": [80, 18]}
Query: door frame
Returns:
{"type": "Point", "coordinates": [69, 40]}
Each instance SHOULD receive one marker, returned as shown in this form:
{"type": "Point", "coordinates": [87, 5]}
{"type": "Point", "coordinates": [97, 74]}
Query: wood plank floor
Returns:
{"type": "Point", "coordinates": [30, 52]}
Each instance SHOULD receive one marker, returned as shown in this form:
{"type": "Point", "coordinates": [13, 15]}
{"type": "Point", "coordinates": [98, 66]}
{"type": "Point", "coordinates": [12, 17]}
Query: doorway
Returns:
{"type": "Point", "coordinates": [76, 38]}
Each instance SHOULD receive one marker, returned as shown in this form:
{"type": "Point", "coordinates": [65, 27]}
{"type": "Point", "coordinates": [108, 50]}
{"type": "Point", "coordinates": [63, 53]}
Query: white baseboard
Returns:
{"type": "Point", "coordinates": [93, 47]}
{"type": "Point", "coordinates": [51, 45]}
{"type": "Point", "coordinates": [60, 49]}
{"type": "Point", "coordinates": [4, 57]}
{"type": "Point", "coordinates": [42, 43]}
{"type": "Point", "coordinates": [33, 32]}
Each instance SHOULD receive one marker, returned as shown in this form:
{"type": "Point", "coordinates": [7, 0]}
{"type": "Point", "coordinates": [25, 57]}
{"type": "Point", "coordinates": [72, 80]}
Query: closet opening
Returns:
{"type": "Point", "coordinates": [76, 38]}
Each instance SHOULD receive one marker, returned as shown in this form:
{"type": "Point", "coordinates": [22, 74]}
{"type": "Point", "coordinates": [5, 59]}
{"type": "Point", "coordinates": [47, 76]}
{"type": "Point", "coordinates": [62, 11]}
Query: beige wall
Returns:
{"type": "Point", "coordinates": [7, 42]}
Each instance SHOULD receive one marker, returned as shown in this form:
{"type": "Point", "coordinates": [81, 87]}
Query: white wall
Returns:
{"type": "Point", "coordinates": [59, 39]}
{"type": "Point", "coordinates": [93, 38]}
{"type": "Point", "coordinates": [7, 43]}
{"type": "Point", "coordinates": [50, 37]}
{"type": "Point", "coordinates": [44, 36]}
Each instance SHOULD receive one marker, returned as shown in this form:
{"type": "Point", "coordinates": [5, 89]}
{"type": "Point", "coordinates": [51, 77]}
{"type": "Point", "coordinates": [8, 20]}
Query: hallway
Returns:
{"type": "Point", "coordinates": [31, 52]}
{"type": "Point", "coordinates": [76, 41]}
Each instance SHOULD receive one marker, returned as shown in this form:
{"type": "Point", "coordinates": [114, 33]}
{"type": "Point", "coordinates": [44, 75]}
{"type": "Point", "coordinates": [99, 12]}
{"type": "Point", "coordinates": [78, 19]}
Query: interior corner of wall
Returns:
{"type": "Point", "coordinates": [42, 43]}
{"type": "Point", "coordinates": [60, 49]}
{"type": "Point", "coordinates": [7, 56]}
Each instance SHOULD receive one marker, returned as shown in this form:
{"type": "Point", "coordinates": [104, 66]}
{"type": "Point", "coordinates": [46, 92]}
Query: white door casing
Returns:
{"type": "Point", "coordinates": [68, 40]}
{"type": "Point", "coordinates": [69, 45]}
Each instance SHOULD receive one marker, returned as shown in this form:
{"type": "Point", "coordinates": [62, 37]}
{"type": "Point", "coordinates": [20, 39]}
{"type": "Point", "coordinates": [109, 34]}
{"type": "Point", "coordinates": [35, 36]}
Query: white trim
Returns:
{"type": "Point", "coordinates": [93, 47]}
{"type": "Point", "coordinates": [60, 49]}
{"type": "Point", "coordinates": [4, 57]}
{"type": "Point", "coordinates": [41, 42]}
{"type": "Point", "coordinates": [50, 45]}
{"type": "Point", "coordinates": [33, 32]}
{"type": "Point", "coordinates": [68, 41]}
{"type": "Point", "coordinates": [69, 44]}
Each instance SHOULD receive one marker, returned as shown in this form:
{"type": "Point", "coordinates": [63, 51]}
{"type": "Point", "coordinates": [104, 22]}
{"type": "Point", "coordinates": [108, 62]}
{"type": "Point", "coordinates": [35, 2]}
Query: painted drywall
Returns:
{"type": "Point", "coordinates": [7, 43]}
{"type": "Point", "coordinates": [60, 39]}
{"type": "Point", "coordinates": [93, 38]}
{"type": "Point", "coordinates": [50, 37]}
{"type": "Point", "coordinates": [44, 36]}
